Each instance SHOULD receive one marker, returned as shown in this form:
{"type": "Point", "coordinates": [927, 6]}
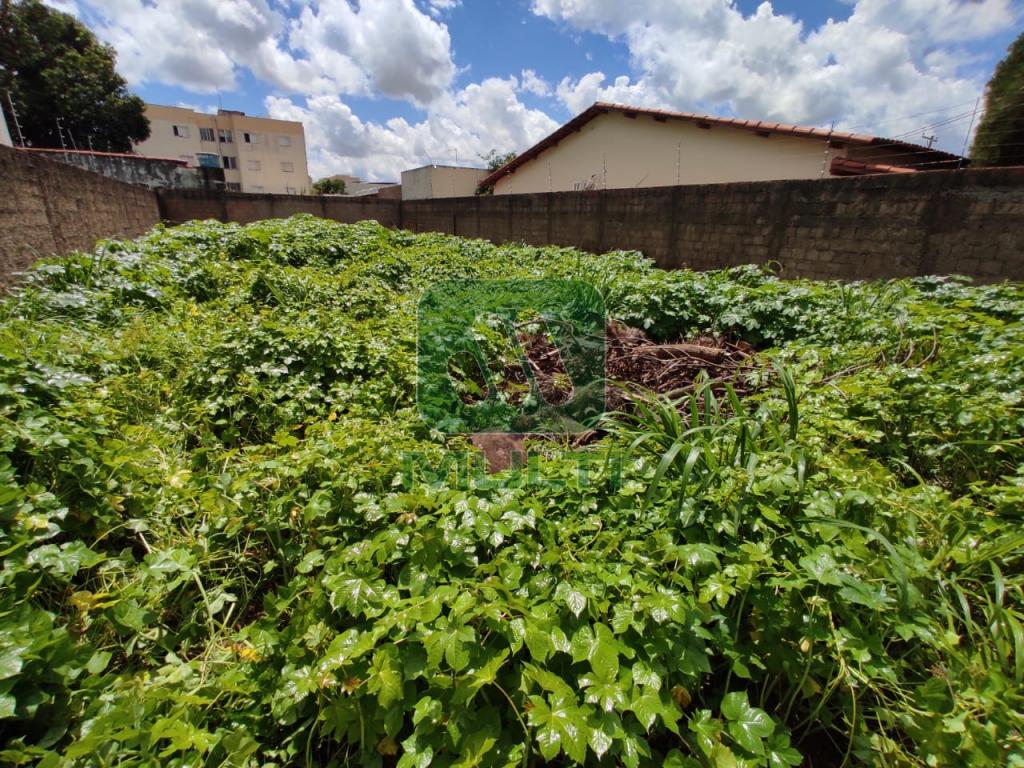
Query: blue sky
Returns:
{"type": "Point", "coordinates": [386, 84]}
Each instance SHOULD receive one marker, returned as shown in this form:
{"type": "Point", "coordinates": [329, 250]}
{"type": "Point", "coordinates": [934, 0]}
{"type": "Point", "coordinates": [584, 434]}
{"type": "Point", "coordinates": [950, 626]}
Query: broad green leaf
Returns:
{"type": "Point", "coordinates": [572, 598]}
{"type": "Point", "coordinates": [386, 677]}
{"type": "Point", "coordinates": [748, 725]}
{"type": "Point", "coordinates": [560, 726]}
{"type": "Point", "coordinates": [11, 661]}
{"type": "Point", "coordinates": [780, 753]}
{"type": "Point", "coordinates": [644, 675]}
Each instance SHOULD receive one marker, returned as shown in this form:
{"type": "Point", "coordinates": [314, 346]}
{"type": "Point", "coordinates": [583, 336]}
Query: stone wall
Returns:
{"type": "Point", "coordinates": [48, 207]}
{"type": "Point", "coordinates": [967, 222]}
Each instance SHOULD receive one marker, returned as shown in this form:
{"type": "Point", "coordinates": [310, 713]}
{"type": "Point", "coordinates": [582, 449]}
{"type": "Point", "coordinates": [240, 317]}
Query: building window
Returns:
{"type": "Point", "coordinates": [288, 167]}
{"type": "Point", "coordinates": [225, 136]}
{"type": "Point", "coordinates": [284, 141]}
{"type": "Point", "coordinates": [207, 134]}
{"type": "Point", "coordinates": [257, 188]}
{"type": "Point", "coordinates": [181, 131]}
{"type": "Point", "coordinates": [230, 163]}
{"type": "Point", "coordinates": [291, 191]}
{"type": "Point", "coordinates": [254, 165]}
{"type": "Point", "coordinates": [233, 186]}
{"type": "Point", "coordinates": [251, 138]}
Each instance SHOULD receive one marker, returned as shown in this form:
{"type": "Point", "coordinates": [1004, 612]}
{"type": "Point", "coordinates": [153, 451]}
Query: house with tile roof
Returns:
{"type": "Point", "coordinates": [615, 146]}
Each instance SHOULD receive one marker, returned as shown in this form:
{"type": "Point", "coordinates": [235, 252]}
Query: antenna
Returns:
{"type": "Point", "coordinates": [930, 139]}
{"type": "Point", "coordinates": [967, 136]}
{"type": "Point", "coordinates": [17, 123]}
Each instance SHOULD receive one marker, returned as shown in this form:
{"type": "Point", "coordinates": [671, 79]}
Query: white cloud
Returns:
{"type": "Point", "coordinates": [387, 47]}
{"type": "Point", "coordinates": [889, 59]}
{"type": "Point", "coordinates": [390, 45]}
{"type": "Point", "coordinates": [577, 95]}
{"type": "Point", "coordinates": [533, 83]}
{"type": "Point", "coordinates": [438, 7]}
{"type": "Point", "coordinates": [469, 123]}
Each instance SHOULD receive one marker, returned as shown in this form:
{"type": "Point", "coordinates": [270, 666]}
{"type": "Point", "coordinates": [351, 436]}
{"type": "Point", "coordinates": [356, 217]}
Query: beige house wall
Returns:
{"type": "Point", "coordinates": [614, 151]}
{"type": "Point", "coordinates": [269, 155]}
{"type": "Point", "coordinates": [433, 181]}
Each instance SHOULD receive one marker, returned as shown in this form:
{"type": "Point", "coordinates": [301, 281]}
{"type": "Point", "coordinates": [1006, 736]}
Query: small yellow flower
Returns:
{"type": "Point", "coordinates": [246, 652]}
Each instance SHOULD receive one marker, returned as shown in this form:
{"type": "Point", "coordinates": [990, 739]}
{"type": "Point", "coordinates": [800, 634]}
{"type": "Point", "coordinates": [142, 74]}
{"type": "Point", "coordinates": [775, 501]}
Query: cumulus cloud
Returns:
{"type": "Point", "coordinates": [890, 58]}
{"type": "Point", "coordinates": [579, 94]}
{"type": "Point", "coordinates": [387, 47]}
{"type": "Point", "coordinates": [467, 123]}
{"type": "Point", "coordinates": [399, 51]}
{"type": "Point", "coordinates": [437, 7]}
{"type": "Point", "coordinates": [533, 83]}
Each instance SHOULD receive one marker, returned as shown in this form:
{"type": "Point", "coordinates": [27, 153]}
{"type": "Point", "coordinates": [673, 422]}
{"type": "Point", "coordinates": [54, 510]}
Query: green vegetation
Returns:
{"type": "Point", "coordinates": [212, 554]}
{"type": "Point", "coordinates": [1000, 136]}
{"type": "Point", "coordinates": [329, 186]}
{"type": "Point", "coordinates": [495, 159]}
{"type": "Point", "coordinates": [56, 69]}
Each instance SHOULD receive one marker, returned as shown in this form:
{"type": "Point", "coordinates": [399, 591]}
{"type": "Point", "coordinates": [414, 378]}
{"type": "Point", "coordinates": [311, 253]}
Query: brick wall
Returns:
{"type": "Point", "coordinates": [179, 206]}
{"type": "Point", "coordinates": [968, 222]}
{"type": "Point", "coordinates": [48, 207]}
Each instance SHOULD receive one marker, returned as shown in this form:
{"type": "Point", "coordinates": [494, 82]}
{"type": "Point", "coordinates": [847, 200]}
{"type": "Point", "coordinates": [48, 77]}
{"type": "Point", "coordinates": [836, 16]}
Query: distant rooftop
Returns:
{"type": "Point", "coordinates": [453, 167]}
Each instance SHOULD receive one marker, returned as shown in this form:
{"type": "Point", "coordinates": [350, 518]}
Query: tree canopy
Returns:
{"type": "Point", "coordinates": [496, 160]}
{"type": "Point", "coordinates": [54, 67]}
{"type": "Point", "coordinates": [1000, 136]}
{"type": "Point", "coordinates": [329, 186]}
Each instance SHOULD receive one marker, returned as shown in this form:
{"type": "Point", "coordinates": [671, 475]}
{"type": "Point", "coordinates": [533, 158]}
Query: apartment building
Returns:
{"type": "Point", "coordinates": [258, 154]}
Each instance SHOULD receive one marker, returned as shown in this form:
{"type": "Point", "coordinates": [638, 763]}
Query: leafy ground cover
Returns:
{"type": "Point", "coordinates": [214, 553]}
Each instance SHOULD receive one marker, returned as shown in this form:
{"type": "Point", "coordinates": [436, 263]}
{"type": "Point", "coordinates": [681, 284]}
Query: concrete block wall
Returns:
{"type": "Point", "coordinates": [179, 206]}
{"type": "Point", "coordinates": [873, 227]}
{"type": "Point", "coordinates": [48, 207]}
{"type": "Point", "coordinates": [967, 222]}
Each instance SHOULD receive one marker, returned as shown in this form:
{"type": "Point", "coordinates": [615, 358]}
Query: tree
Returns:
{"type": "Point", "coordinates": [330, 186]}
{"type": "Point", "coordinates": [1000, 136]}
{"type": "Point", "coordinates": [54, 67]}
{"type": "Point", "coordinates": [495, 160]}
